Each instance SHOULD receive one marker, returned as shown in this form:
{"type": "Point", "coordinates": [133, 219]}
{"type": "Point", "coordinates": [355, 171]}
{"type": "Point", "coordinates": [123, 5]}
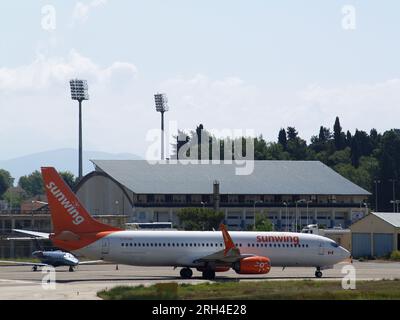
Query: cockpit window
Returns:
{"type": "Point", "coordinates": [334, 244]}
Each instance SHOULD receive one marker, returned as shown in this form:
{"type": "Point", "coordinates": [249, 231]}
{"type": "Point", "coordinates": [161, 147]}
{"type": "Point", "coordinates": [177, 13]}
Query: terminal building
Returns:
{"type": "Point", "coordinates": [291, 194]}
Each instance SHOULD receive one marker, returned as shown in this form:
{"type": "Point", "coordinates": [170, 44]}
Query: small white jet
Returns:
{"type": "Point", "coordinates": [208, 252]}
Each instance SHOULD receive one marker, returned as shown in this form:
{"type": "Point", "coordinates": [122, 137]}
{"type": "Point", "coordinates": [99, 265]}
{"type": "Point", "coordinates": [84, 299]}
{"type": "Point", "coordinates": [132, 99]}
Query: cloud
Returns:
{"type": "Point", "coordinates": [232, 103]}
{"type": "Point", "coordinates": [81, 10]}
{"type": "Point", "coordinates": [39, 115]}
{"type": "Point", "coordinates": [363, 106]}
{"type": "Point", "coordinates": [45, 72]}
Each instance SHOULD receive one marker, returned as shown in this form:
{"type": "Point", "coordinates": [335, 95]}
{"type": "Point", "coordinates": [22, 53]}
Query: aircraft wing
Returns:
{"type": "Point", "coordinates": [21, 263]}
{"type": "Point", "coordinates": [230, 254]}
{"type": "Point", "coordinates": [40, 235]}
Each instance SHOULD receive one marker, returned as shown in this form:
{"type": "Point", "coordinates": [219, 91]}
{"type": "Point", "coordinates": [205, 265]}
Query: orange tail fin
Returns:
{"type": "Point", "coordinates": [67, 212]}
{"type": "Point", "coordinates": [229, 245]}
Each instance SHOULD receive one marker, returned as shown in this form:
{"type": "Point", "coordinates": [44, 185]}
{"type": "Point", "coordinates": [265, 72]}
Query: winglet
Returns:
{"type": "Point", "coordinates": [229, 245]}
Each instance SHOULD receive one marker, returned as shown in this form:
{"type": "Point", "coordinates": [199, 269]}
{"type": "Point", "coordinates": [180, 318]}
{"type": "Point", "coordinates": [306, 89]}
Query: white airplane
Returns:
{"type": "Point", "coordinates": [208, 252]}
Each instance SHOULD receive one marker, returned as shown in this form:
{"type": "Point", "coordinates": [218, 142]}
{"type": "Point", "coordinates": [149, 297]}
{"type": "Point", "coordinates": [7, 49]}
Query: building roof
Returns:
{"type": "Point", "coordinates": [268, 177]}
{"type": "Point", "coordinates": [392, 218]}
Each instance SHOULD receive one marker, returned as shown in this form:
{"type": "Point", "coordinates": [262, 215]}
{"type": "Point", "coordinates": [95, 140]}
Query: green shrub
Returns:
{"type": "Point", "coordinates": [167, 291]}
{"type": "Point", "coordinates": [395, 255]}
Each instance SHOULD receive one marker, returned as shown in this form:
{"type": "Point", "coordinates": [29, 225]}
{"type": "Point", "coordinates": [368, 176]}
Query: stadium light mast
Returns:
{"type": "Point", "coordinates": [162, 107]}
{"type": "Point", "coordinates": [79, 92]}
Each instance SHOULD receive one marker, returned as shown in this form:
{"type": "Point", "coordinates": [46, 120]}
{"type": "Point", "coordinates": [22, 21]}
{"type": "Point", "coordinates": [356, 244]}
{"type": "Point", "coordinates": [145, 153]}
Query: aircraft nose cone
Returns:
{"type": "Point", "coordinates": [345, 253]}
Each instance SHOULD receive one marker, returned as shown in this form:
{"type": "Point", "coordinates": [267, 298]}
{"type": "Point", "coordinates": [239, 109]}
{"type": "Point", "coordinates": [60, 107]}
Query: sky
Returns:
{"type": "Point", "coordinates": [228, 64]}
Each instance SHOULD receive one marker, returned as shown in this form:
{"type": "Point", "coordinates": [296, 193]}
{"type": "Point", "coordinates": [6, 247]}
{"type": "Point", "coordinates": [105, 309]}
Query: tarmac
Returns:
{"type": "Point", "coordinates": [21, 283]}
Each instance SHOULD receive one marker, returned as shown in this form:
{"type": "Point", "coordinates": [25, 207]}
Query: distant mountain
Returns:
{"type": "Point", "coordinates": [62, 160]}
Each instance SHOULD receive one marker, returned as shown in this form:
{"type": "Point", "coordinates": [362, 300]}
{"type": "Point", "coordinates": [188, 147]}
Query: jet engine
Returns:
{"type": "Point", "coordinates": [253, 265]}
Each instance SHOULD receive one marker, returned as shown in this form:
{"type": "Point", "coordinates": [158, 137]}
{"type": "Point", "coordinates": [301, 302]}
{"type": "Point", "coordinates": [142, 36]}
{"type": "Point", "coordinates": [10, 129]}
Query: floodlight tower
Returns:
{"type": "Point", "coordinates": [79, 92]}
{"type": "Point", "coordinates": [162, 107]}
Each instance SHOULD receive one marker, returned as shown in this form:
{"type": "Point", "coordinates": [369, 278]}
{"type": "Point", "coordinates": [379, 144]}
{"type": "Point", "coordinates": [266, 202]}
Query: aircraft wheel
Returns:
{"type": "Point", "coordinates": [34, 268]}
{"type": "Point", "coordinates": [209, 274]}
{"type": "Point", "coordinates": [186, 273]}
{"type": "Point", "coordinates": [318, 274]}
{"type": "Point", "coordinates": [71, 269]}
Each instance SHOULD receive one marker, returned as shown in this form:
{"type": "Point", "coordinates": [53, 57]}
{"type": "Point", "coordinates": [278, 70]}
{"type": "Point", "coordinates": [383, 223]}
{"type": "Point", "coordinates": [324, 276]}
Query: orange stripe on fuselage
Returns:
{"type": "Point", "coordinates": [85, 239]}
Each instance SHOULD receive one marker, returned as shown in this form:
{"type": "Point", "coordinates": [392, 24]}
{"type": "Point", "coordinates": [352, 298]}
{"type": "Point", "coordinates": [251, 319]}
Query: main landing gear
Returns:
{"type": "Point", "coordinates": [209, 274]}
{"type": "Point", "coordinates": [318, 273]}
{"type": "Point", "coordinates": [34, 268]}
{"type": "Point", "coordinates": [71, 269]}
{"type": "Point", "coordinates": [186, 273]}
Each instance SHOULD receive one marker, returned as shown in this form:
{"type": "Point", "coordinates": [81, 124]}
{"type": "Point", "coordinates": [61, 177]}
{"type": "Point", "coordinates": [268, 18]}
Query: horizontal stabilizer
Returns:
{"type": "Point", "coordinates": [35, 234]}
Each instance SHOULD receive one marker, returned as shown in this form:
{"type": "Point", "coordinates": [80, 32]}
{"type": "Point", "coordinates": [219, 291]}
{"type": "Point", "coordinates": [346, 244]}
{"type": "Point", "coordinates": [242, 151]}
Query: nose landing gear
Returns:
{"type": "Point", "coordinates": [71, 269]}
{"type": "Point", "coordinates": [186, 273]}
{"type": "Point", "coordinates": [318, 273]}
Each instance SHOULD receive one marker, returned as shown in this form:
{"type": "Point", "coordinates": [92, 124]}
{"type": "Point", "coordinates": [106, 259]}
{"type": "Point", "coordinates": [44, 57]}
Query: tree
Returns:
{"type": "Point", "coordinates": [32, 184]}
{"type": "Point", "coordinates": [324, 134]}
{"type": "Point", "coordinates": [199, 131]}
{"type": "Point", "coordinates": [338, 135]}
{"type": "Point", "coordinates": [340, 157]}
{"type": "Point", "coordinates": [349, 137]}
{"type": "Point", "coordinates": [389, 166]}
{"type": "Point", "coordinates": [260, 148]}
{"type": "Point", "coordinates": [69, 178]}
{"type": "Point", "coordinates": [292, 133]}
{"type": "Point", "coordinates": [282, 138]}
{"type": "Point", "coordinates": [200, 218]}
{"type": "Point", "coordinates": [6, 181]}
{"type": "Point", "coordinates": [263, 224]}
{"type": "Point", "coordinates": [14, 198]}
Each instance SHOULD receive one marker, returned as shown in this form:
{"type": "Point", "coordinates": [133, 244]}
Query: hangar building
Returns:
{"type": "Point", "coordinates": [278, 189]}
{"type": "Point", "coordinates": [376, 235]}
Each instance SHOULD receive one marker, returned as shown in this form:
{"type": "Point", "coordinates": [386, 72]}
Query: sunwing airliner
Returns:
{"type": "Point", "coordinates": [209, 252]}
